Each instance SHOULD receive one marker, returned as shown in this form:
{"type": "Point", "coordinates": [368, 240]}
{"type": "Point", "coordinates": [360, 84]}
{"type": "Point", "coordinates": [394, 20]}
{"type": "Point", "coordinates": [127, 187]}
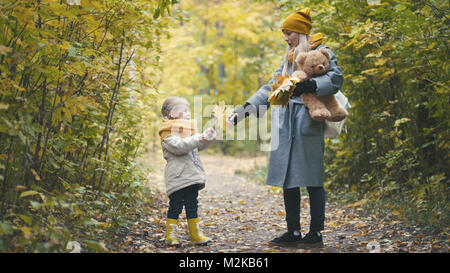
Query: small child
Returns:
{"type": "Point", "coordinates": [184, 174]}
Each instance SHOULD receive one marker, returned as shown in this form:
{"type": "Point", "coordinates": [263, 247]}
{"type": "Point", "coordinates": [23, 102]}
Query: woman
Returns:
{"type": "Point", "coordinates": [297, 160]}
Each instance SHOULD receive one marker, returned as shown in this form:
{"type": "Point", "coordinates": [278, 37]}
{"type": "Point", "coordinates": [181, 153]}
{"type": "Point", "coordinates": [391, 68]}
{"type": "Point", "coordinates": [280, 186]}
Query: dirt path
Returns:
{"type": "Point", "coordinates": [241, 215]}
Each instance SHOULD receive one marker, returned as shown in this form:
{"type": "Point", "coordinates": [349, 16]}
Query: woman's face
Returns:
{"type": "Point", "coordinates": [291, 38]}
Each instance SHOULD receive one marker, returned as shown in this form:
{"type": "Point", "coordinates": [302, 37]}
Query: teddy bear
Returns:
{"type": "Point", "coordinates": [315, 63]}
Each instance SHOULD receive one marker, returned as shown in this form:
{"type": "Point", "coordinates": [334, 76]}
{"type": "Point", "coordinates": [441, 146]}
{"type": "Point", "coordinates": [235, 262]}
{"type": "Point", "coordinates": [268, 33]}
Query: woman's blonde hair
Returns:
{"type": "Point", "coordinates": [303, 46]}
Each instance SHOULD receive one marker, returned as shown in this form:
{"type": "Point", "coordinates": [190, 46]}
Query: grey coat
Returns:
{"type": "Point", "coordinates": [296, 159]}
{"type": "Point", "coordinates": [184, 167]}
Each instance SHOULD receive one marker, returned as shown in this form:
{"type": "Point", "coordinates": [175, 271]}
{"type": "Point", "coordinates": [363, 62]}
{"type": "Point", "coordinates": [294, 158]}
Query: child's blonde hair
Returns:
{"type": "Point", "coordinates": [170, 104]}
{"type": "Point", "coordinates": [303, 46]}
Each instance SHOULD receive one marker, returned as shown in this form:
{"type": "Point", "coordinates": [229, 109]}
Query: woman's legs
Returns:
{"type": "Point", "coordinates": [317, 208]}
{"type": "Point", "coordinates": [292, 206]}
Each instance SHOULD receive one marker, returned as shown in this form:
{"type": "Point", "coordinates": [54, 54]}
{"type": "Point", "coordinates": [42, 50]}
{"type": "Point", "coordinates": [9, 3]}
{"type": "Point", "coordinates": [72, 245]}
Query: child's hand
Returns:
{"type": "Point", "coordinates": [209, 134]}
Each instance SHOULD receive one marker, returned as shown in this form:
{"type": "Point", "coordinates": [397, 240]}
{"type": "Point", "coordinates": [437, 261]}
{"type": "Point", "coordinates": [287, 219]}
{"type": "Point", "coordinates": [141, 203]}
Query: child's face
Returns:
{"type": "Point", "coordinates": [291, 38]}
{"type": "Point", "coordinates": [181, 111]}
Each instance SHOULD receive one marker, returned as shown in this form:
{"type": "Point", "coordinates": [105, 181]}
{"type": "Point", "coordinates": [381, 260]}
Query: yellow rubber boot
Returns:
{"type": "Point", "coordinates": [197, 237]}
{"type": "Point", "coordinates": [171, 232]}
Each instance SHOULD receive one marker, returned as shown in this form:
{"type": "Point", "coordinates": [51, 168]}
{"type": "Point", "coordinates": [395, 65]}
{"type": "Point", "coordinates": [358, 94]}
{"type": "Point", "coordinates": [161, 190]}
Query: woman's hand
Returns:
{"type": "Point", "coordinates": [308, 86]}
{"type": "Point", "coordinates": [231, 119]}
{"type": "Point", "coordinates": [241, 112]}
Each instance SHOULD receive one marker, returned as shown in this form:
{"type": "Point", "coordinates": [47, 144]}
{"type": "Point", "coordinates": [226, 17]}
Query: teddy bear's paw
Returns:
{"type": "Point", "coordinates": [338, 115]}
{"type": "Point", "coordinates": [336, 118]}
{"type": "Point", "coordinates": [320, 114]}
{"type": "Point", "coordinates": [299, 76]}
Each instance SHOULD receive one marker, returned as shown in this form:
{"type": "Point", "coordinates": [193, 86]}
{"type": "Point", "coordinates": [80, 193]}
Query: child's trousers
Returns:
{"type": "Point", "coordinates": [317, 208]}
{"type": "Point", "coordinates": [186, 197]}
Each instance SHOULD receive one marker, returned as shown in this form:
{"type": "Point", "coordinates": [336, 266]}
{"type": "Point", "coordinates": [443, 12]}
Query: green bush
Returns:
{"type": "Point", "coordinates": [71, 103]}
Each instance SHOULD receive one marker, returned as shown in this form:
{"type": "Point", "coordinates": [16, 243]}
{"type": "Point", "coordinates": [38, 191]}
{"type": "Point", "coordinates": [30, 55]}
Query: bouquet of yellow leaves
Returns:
{"type": "Point", "coordinates": [282, 90]}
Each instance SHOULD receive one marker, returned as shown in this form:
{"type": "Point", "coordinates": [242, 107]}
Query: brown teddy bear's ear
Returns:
{"type": "Point", "coordinates": [325, 52]}
{"type": "Point", "coordinates": [301, 58]}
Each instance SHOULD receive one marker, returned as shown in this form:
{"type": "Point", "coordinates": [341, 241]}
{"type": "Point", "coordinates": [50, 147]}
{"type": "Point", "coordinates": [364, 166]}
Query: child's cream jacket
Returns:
{"type": "Point", "coordinates": [184, 167]}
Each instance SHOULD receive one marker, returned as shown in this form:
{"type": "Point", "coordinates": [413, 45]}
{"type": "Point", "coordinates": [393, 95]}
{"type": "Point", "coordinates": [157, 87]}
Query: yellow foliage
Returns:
{"type": "Point", "coordinates": [283, 92]}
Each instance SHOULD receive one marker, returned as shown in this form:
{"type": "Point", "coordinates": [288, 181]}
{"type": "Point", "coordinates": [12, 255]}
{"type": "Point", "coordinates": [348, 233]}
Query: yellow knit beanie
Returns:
{"type": "Point", "coordinates": [299, 22]}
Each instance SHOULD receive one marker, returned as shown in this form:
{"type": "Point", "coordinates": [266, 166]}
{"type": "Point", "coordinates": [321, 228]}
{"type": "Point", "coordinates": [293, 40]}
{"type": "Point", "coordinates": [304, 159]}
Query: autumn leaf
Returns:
{"type": "Point", "coordinates": [20, 188]}
{"type": "Point", "coordinates": [35, 174]}
{"type": "Point", "coordinates": [358, 203]}
{"type": "Point", "coordinates": [401, 121]}
{"type": "Point", "coordinates": [30, 193]}
{"type": "Point", "coordinates": [279, 79]}
{"type": "Point", "coordinates": [219, 113]}
{"type": "Point", "coordinates": [4, 50]}
{"type": "Point", "coordinates": [395, 212]}
{"type": "Point", "coordinates": [96, 246]}
{"type": "Point", "coordinates": [282, 94]}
